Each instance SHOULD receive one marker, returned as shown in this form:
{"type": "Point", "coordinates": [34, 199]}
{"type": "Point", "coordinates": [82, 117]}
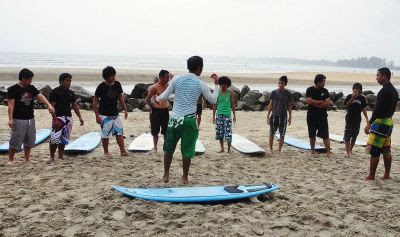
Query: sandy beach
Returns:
{"type": "Point", "coordinates": [317, 196]}
{"type": "Point", "coordinates": [135, 76]}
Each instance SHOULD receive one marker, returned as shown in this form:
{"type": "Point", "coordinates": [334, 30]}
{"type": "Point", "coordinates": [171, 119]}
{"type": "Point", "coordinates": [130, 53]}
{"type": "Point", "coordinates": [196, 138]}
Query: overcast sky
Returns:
{"type": "Point", "coordinates": [309, 29]}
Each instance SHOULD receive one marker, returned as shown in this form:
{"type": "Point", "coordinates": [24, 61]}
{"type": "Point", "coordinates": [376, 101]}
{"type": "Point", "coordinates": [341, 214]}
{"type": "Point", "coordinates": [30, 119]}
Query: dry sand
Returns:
{"type": "Point", "coordinates": [125, 75]}
{"type": "Point", "coordinates": [317, 196]}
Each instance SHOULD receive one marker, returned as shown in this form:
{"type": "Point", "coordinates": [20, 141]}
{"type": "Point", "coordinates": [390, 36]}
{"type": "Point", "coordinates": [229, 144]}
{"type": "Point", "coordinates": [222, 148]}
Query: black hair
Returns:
{"type": "Point", "coordinates": [224, 81]}
{"type": "Point", "coordinates": [64, 76]}
{"type": "Point", "coordinates": [319, 78]}
{"type": "Point", "coordinates": [385, 72]}
{"type": "Point", "coordinates": [357, 86]}
{"type": "Point", "coordinates": [108, 72]}
{"type": "Point", "coordinates": [194, 62]}
{"type": "Point", "coordinates": [284, 79]}
{"type": "Point", "coordinates": [25, 74]}
{"type": "Point", "coordinates": [162, 73]}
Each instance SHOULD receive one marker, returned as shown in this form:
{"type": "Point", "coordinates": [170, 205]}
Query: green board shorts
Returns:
{"type": "Point", "coordinates": [184, 128]}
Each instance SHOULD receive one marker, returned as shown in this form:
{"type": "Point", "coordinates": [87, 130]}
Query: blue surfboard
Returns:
{"type": "Point", "coordinates": [301, 144]}
{"type": "Point", "coordinates": [84, 144]}
{"type": "Point", "coordinates": [41, 135]}
{"type": "Point", "coordinates": [197, 194]}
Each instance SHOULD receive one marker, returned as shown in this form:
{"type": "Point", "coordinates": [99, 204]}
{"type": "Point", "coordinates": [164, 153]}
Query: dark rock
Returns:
{"type": "Point", "coordinates": [4, 102]}
{"type": "Point", "coordinates": [133, 102]}
{"type": "Point", "coordinates": [398, 107]}
{"type": "Point", "coordinates": [145, 108]}
{"type": "Point", "coordinates": [332, 96]}
{"type": "Point", "coordinates": [338, 96]}
{"type": "Point", "coordinates": [3, 91]}
{"type": "Point", "coordinates": [140, 91]}
{"type": "Point", "coordinates": [264, 99]}
{"type": "Point", "coordinates": [45, 91]}
{"type": "Point", "coordinates": [2, 98]}
{"type": "Point", "coordinates": [242, 106]}
{"type": "Point", "coordinates": [340, 103]}
{"type": "Point", "coordinates": [256, 107]}
{"type": "Point", "coordinates": [251, 97]}
{"type": "Point", "coordinates": [129, 107]}
{"type": "Point", "coordinates": [82, 94]}
{"type": "Point", "coordinates": [368, 108]}
{"type": "Point", "coordinates": [244, 91]}
{"type": "Point", "coordinates": [142, 103]}
{"type": "Point", "coordinates": [367, 92]}
{"type": "Point", "coordinates": [296, 95]}
{"type": "Point", "coordinates": [236, 93]}
{"type": "Point", "coordinates": [371, 100]}
{"type": "Point", "coordinates": [300, 106]}
{"type": "Point", "coordinates": [87, 106]}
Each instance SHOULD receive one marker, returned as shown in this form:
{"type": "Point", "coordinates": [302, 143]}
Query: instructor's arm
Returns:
{"type": "Point", "coordinates": [122, 102]}
{"type": "Point", "coordinates": [271, 102]}
{"type": "Point", "coordinates": [96, 109]}
{"type": "Point", "coordinates": [233, 106]}
{"type": "Point", "coordinates": [43, 99]}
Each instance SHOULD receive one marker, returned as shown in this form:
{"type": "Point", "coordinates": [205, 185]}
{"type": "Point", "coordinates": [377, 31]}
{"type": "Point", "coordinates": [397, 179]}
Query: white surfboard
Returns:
{"type": "Point", "coordinates": [84, 144]}
{"type": "Point", "coordinates": [338, 138]}
{"type": "Point", "coordinates": [142, 143]}
{"type": "Point", "coordinates": [41, 135]}
{"type": "Point", "coordinates": [246, 146]}
{"type": "Point", "coordinates": [200, 149]}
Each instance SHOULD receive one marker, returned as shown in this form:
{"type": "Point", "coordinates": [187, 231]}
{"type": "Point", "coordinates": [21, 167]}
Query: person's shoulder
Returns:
{"type": "Point", "coordinates": [13, 87]}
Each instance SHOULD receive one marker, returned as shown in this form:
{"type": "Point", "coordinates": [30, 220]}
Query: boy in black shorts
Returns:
{"type": "Point", "coordinates": [20, 114]}
{"type": "Point", "coordinates": [355, 104]}
{"type": "Point", "coordinates": [317, 117]}
{"type": "Point", "coordinates": [280, 104]}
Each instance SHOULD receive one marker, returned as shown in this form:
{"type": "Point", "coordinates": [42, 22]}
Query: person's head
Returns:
{"type": "Point", "coordinates": [383, 75]}
{"type": "Point", "coordinates": [357, 88]}
{"type": "Point", "coordinates": [195, 65]}
{"type": "Point", "coordinates": [224, 82]}
{"type": "Point", "coordinates": [319, 80]}
{"type": "Point", "coordinates": [25, 77]}
{"type": "Point", "coordinates": [109, 74]}
{"type": "Point", "coordinates": [282, 82]}
{"type": "Point", "coordinates": [65, 80]}
{"type": "Point", "coordinates": [164, 76]}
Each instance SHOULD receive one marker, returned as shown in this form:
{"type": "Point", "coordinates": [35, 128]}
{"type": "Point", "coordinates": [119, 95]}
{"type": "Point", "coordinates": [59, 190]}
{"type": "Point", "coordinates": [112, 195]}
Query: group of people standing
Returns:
{"type": "Point", "coordinates": [183, 122]}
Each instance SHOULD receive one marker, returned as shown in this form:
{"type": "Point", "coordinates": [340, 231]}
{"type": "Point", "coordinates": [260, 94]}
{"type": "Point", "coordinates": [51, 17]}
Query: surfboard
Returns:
{"type": "Point", "coordinates": [200, 149]}
{"type": "Point", "coordinates": [84, 144]}
{"type": "Point", "coordinates": [143, 143]}
{"type": "Point", "coordinates": [301, 144]}
{"type": "Point", "coordinates": [245, 146]}
{"type": "Point", "coordinates": [338, 138]}
{"type": "Point", "coordinates": [41, 135]}
{"type": "Point", "coordinates": [197, 194]}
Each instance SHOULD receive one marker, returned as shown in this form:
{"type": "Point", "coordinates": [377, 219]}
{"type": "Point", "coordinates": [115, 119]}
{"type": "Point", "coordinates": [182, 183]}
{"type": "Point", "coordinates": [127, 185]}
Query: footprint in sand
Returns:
{"type": "Point", "coordinates": [71, 231]}
{"type": "Point", "coordinates": [118, 214]}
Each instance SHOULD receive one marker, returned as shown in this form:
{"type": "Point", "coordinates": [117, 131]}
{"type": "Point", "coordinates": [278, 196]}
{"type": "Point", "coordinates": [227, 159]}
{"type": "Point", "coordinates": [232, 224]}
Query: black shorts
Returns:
{"type": "Point", "coordinates": [276, 122]}
{"type": "Point", "coordinates": [318, 127]}
{"type": "Point", "coordinates": [159, 119]}
{"type": "Point", "coordinates": [199, 109]}
{"type": "Point", "coordinates": [351, 130]}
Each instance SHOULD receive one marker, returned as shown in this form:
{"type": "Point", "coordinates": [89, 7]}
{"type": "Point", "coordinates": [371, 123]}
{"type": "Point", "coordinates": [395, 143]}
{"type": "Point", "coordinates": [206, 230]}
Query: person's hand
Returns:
{"type": "Point", "coordinates": [11, 123]}
{"type": "Point", "coordinates": [354, 95]}
{"type": "Point", "coordinates": [234, 119]}
{"type": "Point", "coordinates": [98, 119]}
{"type": "Point", "coordinates": [81, 121]}
{"type": "Point", "coordinates": [215, 78]}
{"type": "Point", "coordinates": [126, 115]}
{"type": "Point", "coordinates": [268, 120]}
{"type": "Point", "coordinates": [290, 120]}
{"type": "Point", "coordinates": [51, 110]}
{"type": "Point", "coordinates": [367, 128]}
{"type": "Point", "coordinates": [155, 100]}
{"type": "Point", "coordinates": [213, 120]}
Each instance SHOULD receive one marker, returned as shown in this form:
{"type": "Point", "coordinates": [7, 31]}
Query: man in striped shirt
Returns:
{"type": "Point", "coordinates": [182, 124]}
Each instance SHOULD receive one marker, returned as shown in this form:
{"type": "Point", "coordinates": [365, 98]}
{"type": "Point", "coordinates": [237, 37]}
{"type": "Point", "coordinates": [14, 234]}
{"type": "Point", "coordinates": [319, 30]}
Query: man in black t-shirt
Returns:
{"type": "Point", "coordinates": [317, 117]}
{"type": "Point", "coordinates": [61, 98]}
{"type": "Point", "coordinates": [107, 94]}
{"type": "Point", "coordinates": [380, 125]}
{"type": "Point", "coordinates": [21, 116]}
{"type": "Point", "coordinates": [355, 104]}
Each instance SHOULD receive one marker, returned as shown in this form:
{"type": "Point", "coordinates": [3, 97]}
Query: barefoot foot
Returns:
{"type": "Point", "coordinates": [11, 163]}
{"type": "Point", "coordinates": [107, 156]}
{"type": "Point", "coordinates": [124, 153]}
{"type": "Point", "coordinates": [185, 180]}
{"type": "Point", "coordinates": [52, 160]}
{"type": "Point", "coordinates": [386, 177]}
{"type": "Point", "coordinates": [165, 178]}
{"type": "Point", "coordinates": [221, 151]}
{"type": "Point", "coordinates": [369, 177]}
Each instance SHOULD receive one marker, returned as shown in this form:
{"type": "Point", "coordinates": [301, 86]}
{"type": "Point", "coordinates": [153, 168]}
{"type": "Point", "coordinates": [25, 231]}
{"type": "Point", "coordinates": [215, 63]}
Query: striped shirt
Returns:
{"type": "Point", "coordinates": [187, 89]}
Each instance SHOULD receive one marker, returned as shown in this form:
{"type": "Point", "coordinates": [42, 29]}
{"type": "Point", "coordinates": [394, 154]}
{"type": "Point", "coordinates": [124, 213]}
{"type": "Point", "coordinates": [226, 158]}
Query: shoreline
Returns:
{"type": "Point", "coordinates": [139, 76]}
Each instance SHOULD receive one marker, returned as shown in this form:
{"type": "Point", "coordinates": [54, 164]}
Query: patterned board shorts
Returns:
{"type": "Point", "coordinates": [379, 139]}
{"type": "Point", "coordinates": [223, 128]}
{"type": "Point", "coordinates": [62, 135]}
{"type": "Point", "coordinates": [184, 128]}
{"type": "Point", "coordinates": [111, 126]}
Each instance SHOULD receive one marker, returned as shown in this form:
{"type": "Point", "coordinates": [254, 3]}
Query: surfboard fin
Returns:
{"type": "Point", "coordinates": [254, 199]}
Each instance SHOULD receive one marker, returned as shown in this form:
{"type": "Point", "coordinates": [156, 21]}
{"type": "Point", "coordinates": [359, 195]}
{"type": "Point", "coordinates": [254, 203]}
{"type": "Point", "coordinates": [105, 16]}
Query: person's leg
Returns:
{"type": "Point", "coordinates": [327, 145]}
{"type": "Point", "coordinates": [282, 132]}
{"type": "Point", "coordinates": [106, 130]}
{"type": "Point", "coordinates": [167, 166]}
{"type": "Point", "coordinates": [312, 145]}
{"type": "Point", "coordinates": [347, 145]}
{"type": "Point", "coordinates": [11, 154]}
{"type": "Point", "coordinates": [374, 161]}
{"type": "Point", "coordinates": [228, 132]}
{"type": "Point", "coordinates": [355, 131]}
{"type": "Point", "coordinates": [121, 145]}
{"type": "Point", "coordinates": [16, 139]}
{"type": "Point", "coordinates": [61, 148]}
{"type": "Point", "coordinates": [347, 139]}
{"type": "Point", "coordinates": [190, 134]}
{"type": "Point", "coordinates": [387, 159]}
{"type": "Point", "coordinates": [219, 132]}
{"type": "Point", "coordinates": [198, 121]}
{"type": "Point", "coordinates": [352, 143]}
{"type": "Point", "coordinates": [186, 167]}
{"type": "Point", "coordinates": [155, 142]}
{"type": "Point", "coordinates": [30, 139]}
{"type": "Point", "coordinates": [312, 130]}
{"type": "Point", "coordinates": [272, 131]}
{"type": "Point", "coordinates": [221, 143]}
{"type": "Point", "coordinates": [53, 149]}
{"type": "Point", "coordinates": [104, 143]}
{"type": "Point", "coordinates": [27, 153]}
{"type": "Point", "coordinates": [323, 132]}
{"type": "Point", "coordinates": [118, 131]}
{"type": "Point", "coordinates": [155, 127]}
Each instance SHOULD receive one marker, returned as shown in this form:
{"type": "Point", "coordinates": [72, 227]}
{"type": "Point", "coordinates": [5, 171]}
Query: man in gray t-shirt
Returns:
{"type": "Point", "coordinates": [280, 104]}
